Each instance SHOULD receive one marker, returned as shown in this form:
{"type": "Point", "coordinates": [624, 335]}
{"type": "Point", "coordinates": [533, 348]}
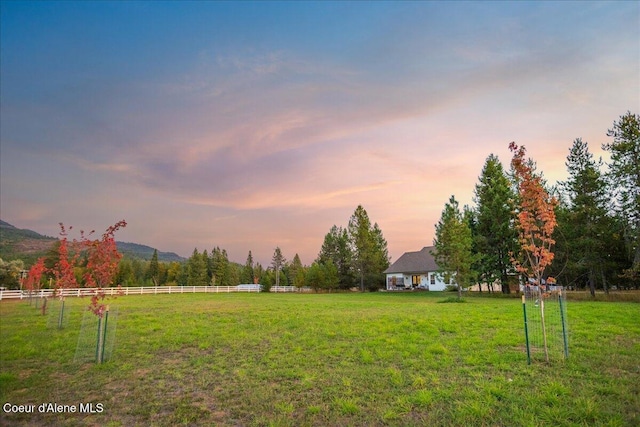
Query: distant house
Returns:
{"type": "Point", "coordinates": [415, 270]}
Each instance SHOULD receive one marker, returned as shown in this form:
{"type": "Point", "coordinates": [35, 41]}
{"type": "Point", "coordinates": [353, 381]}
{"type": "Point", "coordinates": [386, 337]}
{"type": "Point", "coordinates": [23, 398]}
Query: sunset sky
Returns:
{"type": "Point", "coordinates": [254, 125]}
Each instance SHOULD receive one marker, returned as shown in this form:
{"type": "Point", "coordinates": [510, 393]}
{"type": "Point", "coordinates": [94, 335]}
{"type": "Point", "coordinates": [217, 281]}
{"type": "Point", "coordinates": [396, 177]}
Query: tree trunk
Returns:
{"type": "Point", "coordinates": [504, 283]}
{"type": "Point", "coordinates": [592, 284]}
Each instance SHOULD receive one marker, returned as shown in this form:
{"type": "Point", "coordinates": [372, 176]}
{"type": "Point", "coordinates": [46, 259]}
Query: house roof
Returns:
{"type": "Point", "coordinates": [415, 262]}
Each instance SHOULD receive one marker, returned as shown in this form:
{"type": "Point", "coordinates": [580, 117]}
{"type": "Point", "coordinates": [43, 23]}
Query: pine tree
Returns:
{"type": "Point", "coordinates": [336, 248]}
{"type": "Point", "coordinates": [453, 247]}
{"type": "Point", "coordinates": [294, 268]}
{"type": "Point", "coordinates": [624, 173]}
{"type": "Point", "coordinates": [584, 222]}
{"type": "Point", "coordinates": [277, 262]}
{"type": "Point", "coordinates": [154, 268]}
{"type": "Point", "coordinates": [495, 237]}
{"type": "Point", "coordinates": [369, 249]}
{"type": "Point", "coordinates": [220, 262]}
{"type": "Point", "coordinates": [248, 275]}
{"type": "Point", "coordinates": [196, 270]}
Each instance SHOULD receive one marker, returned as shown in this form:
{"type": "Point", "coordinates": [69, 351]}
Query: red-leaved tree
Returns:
{"type": "Point", "coordinates": [32, 282]}
{"type": "Point", "coordinates": [536, 217]}
{"type": "Point", "coordinates": [68, 254]}
{"type": "Point", "coordinates": [102, 258]}
{"type": "Point", "coordinates": [102, 265]}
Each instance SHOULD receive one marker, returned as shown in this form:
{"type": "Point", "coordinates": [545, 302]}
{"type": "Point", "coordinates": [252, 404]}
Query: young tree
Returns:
{"type": "Point", "coordinates": [536, 218]}
{"type": "Point", "coordinates": [102, 265]}
{"type": "Point", "coordinates": [624, 173]}
{"type": "Point", "coordinates": [68, 253]}
{"type": "Point", "coordinates": [33, 281]}
{"type": "Point", "coordinates": [453, 246]}
{"type": "Point", "coordinates": [277, 262]}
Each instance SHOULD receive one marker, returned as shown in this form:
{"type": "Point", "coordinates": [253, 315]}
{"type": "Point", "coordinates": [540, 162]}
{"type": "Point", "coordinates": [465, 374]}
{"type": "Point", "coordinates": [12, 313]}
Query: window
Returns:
{"type": "Point", "coordinates": [415, 280]}
{"type": "Point", "coordinates": [433, 279]}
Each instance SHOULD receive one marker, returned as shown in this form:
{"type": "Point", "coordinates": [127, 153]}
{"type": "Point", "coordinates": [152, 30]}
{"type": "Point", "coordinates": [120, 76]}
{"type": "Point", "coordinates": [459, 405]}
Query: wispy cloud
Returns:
{"type": "Point", "coordinates": [280, 133]}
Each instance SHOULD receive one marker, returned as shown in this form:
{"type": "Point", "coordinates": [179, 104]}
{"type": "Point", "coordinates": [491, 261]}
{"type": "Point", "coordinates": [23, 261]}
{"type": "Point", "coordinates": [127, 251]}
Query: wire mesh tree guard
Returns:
{"type": "Point", "coordinates": [97, 337]}
{"type": "Point", "coordinates": [545, 322]}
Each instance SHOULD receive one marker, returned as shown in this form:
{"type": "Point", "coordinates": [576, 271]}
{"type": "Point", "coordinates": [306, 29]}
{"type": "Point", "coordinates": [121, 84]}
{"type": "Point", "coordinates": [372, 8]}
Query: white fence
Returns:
{"type": "Point", "coordinates": [145, 290]}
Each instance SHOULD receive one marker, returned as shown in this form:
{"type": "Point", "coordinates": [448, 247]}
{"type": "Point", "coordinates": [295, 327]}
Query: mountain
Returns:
{"type": "Point", "coordinates": [27, 245]}
{"type": "Point", "coordinates": [136, 250]}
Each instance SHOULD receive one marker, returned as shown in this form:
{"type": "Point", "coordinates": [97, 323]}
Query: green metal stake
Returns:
{"type": "Point", "coordinates": [526, 330]}
{"type": "Point", "coordinates": [60, 316]}
{"type": "Point", "coordinates": [98, 341]}
{"type": "Point", "coordinates": [564, 327]}
{"type": "Point", "coordinates": [104, 336]}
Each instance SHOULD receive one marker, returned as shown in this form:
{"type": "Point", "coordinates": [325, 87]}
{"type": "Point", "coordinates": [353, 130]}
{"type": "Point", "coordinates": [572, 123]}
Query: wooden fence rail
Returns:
{"type": "Point", "coordinates": [144, 290]}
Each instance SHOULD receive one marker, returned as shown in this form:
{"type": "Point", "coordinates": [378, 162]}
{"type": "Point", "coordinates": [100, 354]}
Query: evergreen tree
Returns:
{"type": "Point", "coordinates": [381, 259]}
{"type": "Point", "coordinates": [154, 269]}
{"type": "Point", "coordinates": [495, 236]}
{"type": "Point", "coordinates": [125, 275]}
{"type": "Point", "coordinates": [337, 249]}
{"type": "Point", "coordinates": [322, 276]}
{"type": "Point", "coordinates": [196, 270]}
{"type": "Point", "coordinates": [220, 262]}
{"type": "Point", "coordinates": [453, 247]}
{"type": "Point", "coordinates": [248, 276]}
{"type": "Point", "coordinates": [267, 279]}
{"type": "Point", "coordinates": [368, 248]}
{"type": "Point", "coordinates": [277, 262]}
{"type": "Point", "coordinates": [174, 270]}
{"type": "Point", "coordinates": [258, 271]}
{"type": "Point", "coordinates": [207, 265]}
{"type": "Point", "coordinates": [315, 277]}
{"type": "Point", "coordinates": [624, 174]}
{"type": "Point", "coordinates": [183, 274]}
{"type": "Point", "coordinates": [294, 268]}
{"type": "Point", "coordinates": [361, 243]}
{"type": "Point", "coordinates": [585, 224]}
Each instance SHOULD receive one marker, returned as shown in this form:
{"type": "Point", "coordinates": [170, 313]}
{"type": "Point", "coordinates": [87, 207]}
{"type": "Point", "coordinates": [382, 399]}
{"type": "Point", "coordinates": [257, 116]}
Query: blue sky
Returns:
{"type": "Point", "coordinates": [254, 125]}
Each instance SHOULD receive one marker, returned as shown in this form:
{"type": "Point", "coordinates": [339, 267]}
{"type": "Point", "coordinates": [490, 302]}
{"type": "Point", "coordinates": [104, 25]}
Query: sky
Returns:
{"type": "Point", "coordinates": [256, 125]}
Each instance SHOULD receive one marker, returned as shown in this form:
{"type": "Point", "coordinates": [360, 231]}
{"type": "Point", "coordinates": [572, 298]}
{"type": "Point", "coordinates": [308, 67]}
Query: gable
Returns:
{"type": "Point", "coordinates": [414, 262]}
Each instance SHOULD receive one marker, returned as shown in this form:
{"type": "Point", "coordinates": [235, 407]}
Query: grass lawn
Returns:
{"type": "Point", "coordinates": [323, 360]}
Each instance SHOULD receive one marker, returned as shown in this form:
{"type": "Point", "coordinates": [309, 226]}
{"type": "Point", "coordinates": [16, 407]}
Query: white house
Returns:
{"type": "Point", "coordinates": [415, 270]}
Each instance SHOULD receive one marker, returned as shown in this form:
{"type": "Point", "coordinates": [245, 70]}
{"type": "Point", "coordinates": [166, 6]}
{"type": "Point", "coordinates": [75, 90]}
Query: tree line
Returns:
{"type": "Point", "coordinates": [582, 233]}
{"type": "Point", "coordinates": [351, 256]}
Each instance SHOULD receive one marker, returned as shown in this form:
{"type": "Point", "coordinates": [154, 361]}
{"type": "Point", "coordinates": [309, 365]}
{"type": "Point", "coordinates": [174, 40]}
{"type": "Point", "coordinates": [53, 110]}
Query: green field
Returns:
{"type": "Point", "coordinates": [323, 360]}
